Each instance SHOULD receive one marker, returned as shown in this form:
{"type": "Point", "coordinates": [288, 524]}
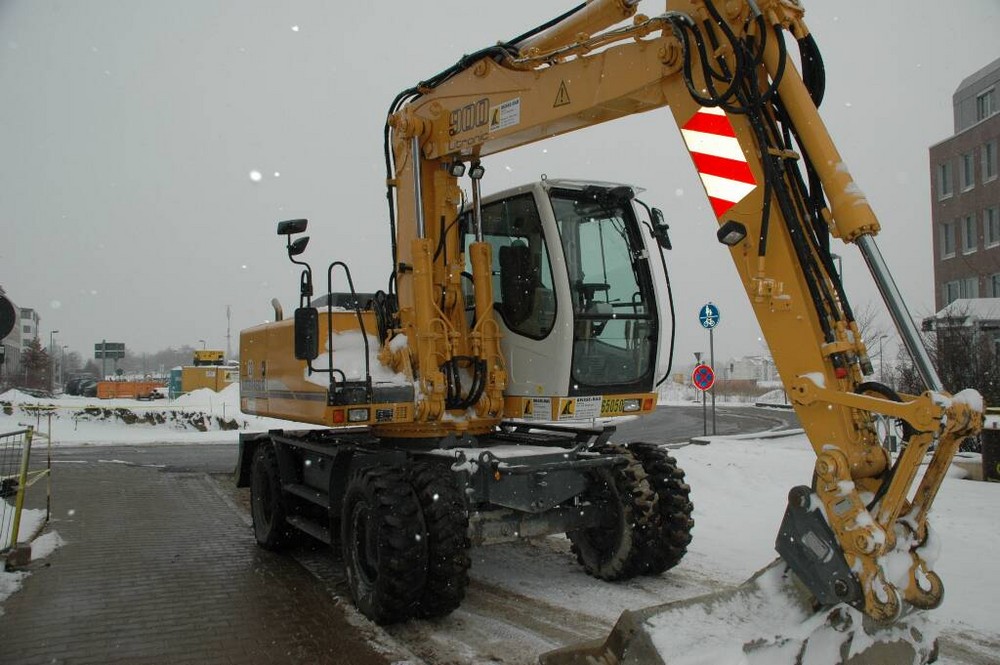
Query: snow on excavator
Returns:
{"type": "Point", "coordinates": [459, 404]}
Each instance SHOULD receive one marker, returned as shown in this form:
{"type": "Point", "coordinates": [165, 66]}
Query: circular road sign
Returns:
{"type": "Point", "coordinates": [703, 377]}
{"type": "Point", "coordinates": [709, 316]}
{"type": "Point", "coordinates": [8, 317]}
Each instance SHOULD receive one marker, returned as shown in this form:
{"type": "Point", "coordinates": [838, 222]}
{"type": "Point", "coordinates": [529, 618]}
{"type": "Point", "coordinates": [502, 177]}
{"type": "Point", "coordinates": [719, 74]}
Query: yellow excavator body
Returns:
{"type": "Point", "coordinates": [505, 315]}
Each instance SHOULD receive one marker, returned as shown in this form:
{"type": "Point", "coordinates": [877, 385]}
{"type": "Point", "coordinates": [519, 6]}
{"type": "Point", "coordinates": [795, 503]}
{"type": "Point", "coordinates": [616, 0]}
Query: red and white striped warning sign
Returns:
{"type": "Point", "coordinates": [717, 155]}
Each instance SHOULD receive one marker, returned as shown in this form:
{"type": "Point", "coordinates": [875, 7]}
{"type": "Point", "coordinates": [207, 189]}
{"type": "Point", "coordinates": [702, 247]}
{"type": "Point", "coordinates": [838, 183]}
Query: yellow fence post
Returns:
{"type": "Point", "coordinates": [22, 481]}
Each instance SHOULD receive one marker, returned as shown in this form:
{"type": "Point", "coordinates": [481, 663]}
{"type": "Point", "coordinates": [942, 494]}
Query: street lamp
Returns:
{"type": "Point", "coordinates": [840, 265]}
{"type": "Point", "coordinates": [202, 344]}
{"type": "Point", "coordinates": [52, 358]}
{"type": "Point", "coordinates": [881, 360]}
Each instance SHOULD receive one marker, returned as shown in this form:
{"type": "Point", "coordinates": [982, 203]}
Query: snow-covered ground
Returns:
{"type": "Point", "coordinates": [739, 489]}
{"type": "Point", "coordinates": [41, 547]}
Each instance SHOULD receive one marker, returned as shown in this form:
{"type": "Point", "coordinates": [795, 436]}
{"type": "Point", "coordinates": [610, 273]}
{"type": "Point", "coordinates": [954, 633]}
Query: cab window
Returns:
{"type": "Point", "coordinates": [523, 292]}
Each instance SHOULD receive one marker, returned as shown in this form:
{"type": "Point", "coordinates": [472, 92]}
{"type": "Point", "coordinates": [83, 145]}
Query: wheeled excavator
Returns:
{"type": "Point", "coordinates": [462, 404]}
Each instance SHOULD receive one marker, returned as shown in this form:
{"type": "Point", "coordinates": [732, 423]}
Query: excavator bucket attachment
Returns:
{"type": "Point", "coordinates": [771, 619]}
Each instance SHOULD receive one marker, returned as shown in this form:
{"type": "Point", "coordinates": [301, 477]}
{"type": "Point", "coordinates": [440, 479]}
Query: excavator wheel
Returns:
{"type": "Point", "coordinates": [267, 505]}
{"type": "Point", "coordinates": [673, 522]}
{"type": "Point", "coordinates": [447, 522]}
{"type": "Point", "coordinates": [384, 549]}
{"type": "Point", "coordinates": [616, 550]}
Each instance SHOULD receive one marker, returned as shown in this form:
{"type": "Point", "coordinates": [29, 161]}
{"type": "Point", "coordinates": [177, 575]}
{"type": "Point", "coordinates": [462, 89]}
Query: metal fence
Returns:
{"type": "Point", "coordinates": [18, 474]}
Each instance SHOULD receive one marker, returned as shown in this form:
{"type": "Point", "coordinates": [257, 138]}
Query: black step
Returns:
{"type": "Point", "coordinates": [321, 499]}
{"type": "Point", "coordinates": [317, 531]}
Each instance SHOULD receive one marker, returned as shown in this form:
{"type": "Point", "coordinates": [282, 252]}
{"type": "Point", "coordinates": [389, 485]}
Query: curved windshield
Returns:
{"type": "Point", "coordinates": [614, 312]}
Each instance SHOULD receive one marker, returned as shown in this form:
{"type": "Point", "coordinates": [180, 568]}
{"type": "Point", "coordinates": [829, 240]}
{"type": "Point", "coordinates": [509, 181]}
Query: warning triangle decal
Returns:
{"type": "Point", "coordinates": [562, 97]}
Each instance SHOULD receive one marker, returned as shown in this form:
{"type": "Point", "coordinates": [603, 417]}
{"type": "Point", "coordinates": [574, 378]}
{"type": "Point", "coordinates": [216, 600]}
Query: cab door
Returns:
{"type": "Point", "coordinates": [530, 292]}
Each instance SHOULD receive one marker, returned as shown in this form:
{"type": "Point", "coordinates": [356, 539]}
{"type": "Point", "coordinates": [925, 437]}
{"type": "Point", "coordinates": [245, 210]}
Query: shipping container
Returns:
{"type": "Point", "coordinates": [127, 389]}
{"type": "Point", "coordinates": [213, 377]}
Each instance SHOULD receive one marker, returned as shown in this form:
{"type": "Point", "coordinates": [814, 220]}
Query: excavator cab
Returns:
{"type": "Point", "coordinates": [573, 288]}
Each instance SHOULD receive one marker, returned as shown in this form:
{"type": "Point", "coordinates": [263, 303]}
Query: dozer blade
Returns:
{"type": "Point", "coordinates": [768, 620]}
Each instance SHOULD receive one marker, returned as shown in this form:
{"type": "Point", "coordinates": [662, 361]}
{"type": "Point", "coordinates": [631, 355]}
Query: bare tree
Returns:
{"type": "Point", "coordinates": [964, 355]}
{"type": "Point", "coordinates": [873, 331]}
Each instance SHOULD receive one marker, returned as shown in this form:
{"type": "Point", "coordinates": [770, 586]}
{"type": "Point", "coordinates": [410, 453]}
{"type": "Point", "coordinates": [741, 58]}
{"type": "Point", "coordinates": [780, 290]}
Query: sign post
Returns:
{"type": "Point", "coordinates": [104, 350]}
{"type": "Point", "coordinates": [708, 316]}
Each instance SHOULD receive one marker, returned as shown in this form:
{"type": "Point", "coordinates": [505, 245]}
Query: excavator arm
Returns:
{"type": "Point", "coordinates": [779, 190]}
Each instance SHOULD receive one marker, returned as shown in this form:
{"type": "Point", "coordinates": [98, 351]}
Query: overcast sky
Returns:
{"type": "Point", "coordinates": [129, 131]}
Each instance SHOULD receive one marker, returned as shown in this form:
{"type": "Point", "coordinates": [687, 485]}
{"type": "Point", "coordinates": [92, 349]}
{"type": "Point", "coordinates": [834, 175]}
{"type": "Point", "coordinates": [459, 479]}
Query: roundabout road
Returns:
{"type": "Point", "coordinates": [677, 424]}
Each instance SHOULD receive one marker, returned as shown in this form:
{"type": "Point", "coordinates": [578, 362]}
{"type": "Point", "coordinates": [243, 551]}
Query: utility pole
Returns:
{"type": "Point", "coordinates": [229, 321]}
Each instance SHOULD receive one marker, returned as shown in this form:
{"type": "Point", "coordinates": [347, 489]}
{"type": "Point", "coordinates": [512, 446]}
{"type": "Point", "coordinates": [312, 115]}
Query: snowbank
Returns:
{"type": "Point", "coordinates": [201, 416]}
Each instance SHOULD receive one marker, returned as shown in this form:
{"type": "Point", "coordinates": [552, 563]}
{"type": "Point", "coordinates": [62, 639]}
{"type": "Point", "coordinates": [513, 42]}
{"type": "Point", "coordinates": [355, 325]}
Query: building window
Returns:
{"type": "Point", "coordinates": [968, 287]}
{"type": "Point", "coordinates": [944, 184]}
{"type": "Point", "coordinates": [26, 330]}
{"type": "Point", "coordinates": [991, 226]}
{"type": "Point", "coordinates": [947, 230]}
{"type": "Point", "coordinates": [950, 292]}
{"type": "Point", "coordinates": [990, 161]}
{"type": "Point", "coordinates": [995, 285]}
{"type": "Point", "coordinates": [986, 104]}
{"type": "Point", "coordinates": [970, 241]}
{"type": "Point", "coordinates": [968, 173]}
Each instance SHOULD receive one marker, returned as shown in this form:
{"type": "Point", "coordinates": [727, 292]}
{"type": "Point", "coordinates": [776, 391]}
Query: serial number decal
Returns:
{"type": "Point", "coordinates": [469, 117]}
{"type": "Point", "coordinates": [610, 406]}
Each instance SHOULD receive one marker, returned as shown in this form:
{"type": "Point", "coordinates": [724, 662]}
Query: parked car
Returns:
{"type": "Point", "coordinates": [72, 386]}
{"type": "Point", "coordinates": [88, 388]}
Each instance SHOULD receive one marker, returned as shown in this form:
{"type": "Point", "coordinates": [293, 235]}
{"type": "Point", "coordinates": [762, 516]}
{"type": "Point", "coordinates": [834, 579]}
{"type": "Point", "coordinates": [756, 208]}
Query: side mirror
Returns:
{"type": "Point", "coordinates": [306, 333]}
{"type": "Point", "coordinates": [292, 226]}
{"type": "Point", "coordinates": [299, 246]}
{"type": "Point", "coordinates": [661, 230]}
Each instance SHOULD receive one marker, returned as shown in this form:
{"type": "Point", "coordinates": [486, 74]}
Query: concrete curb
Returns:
{"type": "Point", "coordinates": [771, 434]}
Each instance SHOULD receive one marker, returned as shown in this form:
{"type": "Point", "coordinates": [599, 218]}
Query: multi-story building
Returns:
{"type": "Point", "coordinates": [749, 368]}
{"type": "Point", "coordinates": [965, 194]}
{"type": "Point", "coordinates": [29, 326]}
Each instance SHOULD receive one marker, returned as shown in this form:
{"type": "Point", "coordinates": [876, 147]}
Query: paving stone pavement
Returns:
{"type": "Point", "coordinates": [158, 567]}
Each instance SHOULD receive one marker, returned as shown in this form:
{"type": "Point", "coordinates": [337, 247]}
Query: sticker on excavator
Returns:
{"type": "Point", "coordinates": [580, 408]}
{"type": "Point", "coordinates": [562, 97]}
{"type": "Point", "coordinates": [506, 115]}
{"type": "Point", "coordinates": [719, 159]}
{"type": "Point", "coordinates": [536, 408]}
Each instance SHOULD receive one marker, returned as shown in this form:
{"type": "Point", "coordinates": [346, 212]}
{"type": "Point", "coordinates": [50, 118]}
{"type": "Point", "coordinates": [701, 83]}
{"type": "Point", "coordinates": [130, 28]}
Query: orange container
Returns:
{"type": "Point", "coordinates": [128, 389]}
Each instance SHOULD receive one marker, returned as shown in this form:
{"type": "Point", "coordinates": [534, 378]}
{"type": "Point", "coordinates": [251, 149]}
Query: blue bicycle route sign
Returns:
{"type": "Point", "coordinates": [709, 316]}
